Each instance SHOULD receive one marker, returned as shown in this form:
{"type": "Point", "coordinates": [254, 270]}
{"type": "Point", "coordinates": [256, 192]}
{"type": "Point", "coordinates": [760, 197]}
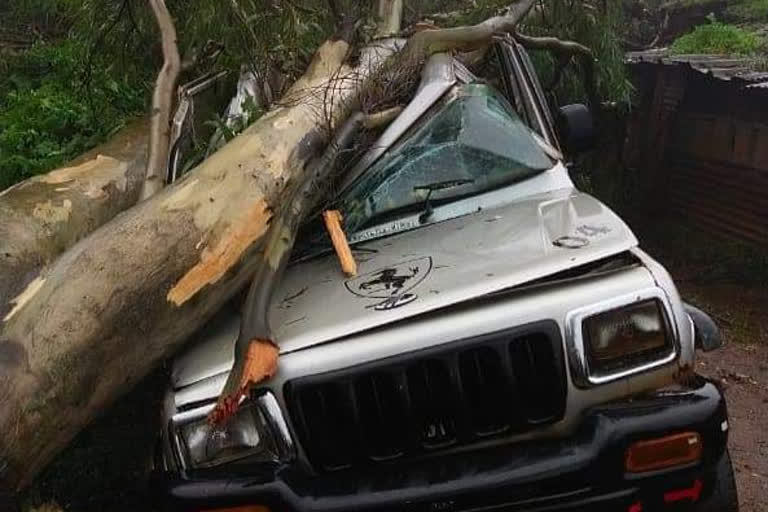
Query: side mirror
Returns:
{"type": "Point", "coordinates": [707, 334]}
{"type": "Point", "coordinates": [577, 128]}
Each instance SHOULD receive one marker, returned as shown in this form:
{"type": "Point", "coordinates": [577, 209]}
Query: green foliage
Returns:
{"type": "Point", "coordinates": [600, 29]}
{"type": "Point", "coordinates": [44, 17]}
{"type": "Point", "coordinates": [48, 115]}
{"type": "Point", "coordinates": [260, 35]}
{"type": "Point", "coordinates": [62, 97]}
{"type": "Point", "coordinates": [717, 38]}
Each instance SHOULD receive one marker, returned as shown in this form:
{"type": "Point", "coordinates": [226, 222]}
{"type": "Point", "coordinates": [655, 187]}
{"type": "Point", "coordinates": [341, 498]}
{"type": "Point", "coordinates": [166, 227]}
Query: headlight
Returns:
{"type": "Point", "coordinates": [626, 337]}
{"type": "Point", "coordinates": [620, 337]}
{"type": "Point", "coordinates": [245, 435]}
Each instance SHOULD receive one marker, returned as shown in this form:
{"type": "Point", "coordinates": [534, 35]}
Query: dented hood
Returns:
{"type": "Point", "coordinates": [444, 263]}
{"type": "Point", "coordinates": [422, 270]}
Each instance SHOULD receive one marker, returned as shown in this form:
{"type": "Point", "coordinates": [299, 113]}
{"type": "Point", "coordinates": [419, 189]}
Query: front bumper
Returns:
{"type": "Point", "coordinates": [582, 472]}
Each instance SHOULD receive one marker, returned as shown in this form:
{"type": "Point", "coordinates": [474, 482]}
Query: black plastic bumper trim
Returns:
{"type": "Point", "coordinates": [537, 473]}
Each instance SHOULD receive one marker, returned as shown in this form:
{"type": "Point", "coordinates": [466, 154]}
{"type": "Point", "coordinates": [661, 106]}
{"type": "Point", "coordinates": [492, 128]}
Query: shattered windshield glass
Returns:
{"type": "Point", "coordinates": [474, 138]}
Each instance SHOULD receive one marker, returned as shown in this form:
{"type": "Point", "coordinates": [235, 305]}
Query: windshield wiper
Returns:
{"type": "Point", "coordinates": [440, 185]}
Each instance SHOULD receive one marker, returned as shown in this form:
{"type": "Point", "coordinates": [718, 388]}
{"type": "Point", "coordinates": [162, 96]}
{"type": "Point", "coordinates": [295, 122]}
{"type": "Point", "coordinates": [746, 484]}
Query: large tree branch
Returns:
{"type": "Point", "coordinates": [566, 49]}
{"type": "Point", "coordinates": [162, 101]}
{"type": "Point", "coordinates": [45, 215]}
{"type": "Point", "coordinates": [256, 349]}
{"type": "Point", "coordinates": [428, 42]}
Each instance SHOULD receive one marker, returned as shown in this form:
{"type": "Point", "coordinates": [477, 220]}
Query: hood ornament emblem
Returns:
{"type": "Point", "coordinates": [392, 283]}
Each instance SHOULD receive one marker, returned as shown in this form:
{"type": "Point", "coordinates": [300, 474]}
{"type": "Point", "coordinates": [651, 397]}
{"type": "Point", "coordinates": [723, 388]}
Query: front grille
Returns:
{"type": "Point", "coordinates": [435, 399]}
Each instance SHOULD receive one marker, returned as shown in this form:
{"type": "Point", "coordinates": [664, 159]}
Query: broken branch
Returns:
{"type": "Point", "coordinates": [563, 48]}
{"type": "Point", "coordinates": [333, 220]}
{"type": "Point", "coordinates": [255, 327]}
{"type": "Point", "coordinates": [428, 42]}
{"type": "Point", "coordinates": [141, 285]}
{"type": "Point", "coordinates": [162, 101]}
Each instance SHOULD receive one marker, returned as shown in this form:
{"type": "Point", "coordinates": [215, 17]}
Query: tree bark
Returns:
{"type": "Point", "coordinates": [123, 299]}
{"type": "Point", "coordinates": [162, 101]}
{"type": "Point", "coordinates": [45, 215]}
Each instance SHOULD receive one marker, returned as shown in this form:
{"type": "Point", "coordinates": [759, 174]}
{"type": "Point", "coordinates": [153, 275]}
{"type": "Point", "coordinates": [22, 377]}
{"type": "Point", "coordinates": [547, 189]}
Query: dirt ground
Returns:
{"type": "Point", "coordinates": [743, 372]}
{"type": "Point", "coordinates": [103, 468]}
{"type": "Point", "coordinates": [730, 282]}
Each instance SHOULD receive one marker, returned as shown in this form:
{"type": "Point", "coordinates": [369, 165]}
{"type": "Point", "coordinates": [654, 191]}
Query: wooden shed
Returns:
{"type": "Point", "coordinates": [701, 144]}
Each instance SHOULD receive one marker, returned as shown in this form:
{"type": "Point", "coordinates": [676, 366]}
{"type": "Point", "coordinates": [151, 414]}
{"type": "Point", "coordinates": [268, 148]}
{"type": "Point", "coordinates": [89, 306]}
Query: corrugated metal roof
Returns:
{"type": "Point", "coordinates": [722, 67]}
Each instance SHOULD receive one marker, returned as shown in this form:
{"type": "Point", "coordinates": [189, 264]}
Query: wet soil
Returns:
{"type": "Point", "coordinates": [730, 282]}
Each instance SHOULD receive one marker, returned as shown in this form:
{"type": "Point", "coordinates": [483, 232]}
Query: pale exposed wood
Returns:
{"type": "Point", "coordinates": [260, 363]}
{"type": "Point", "coordinates": [162, 101]}
{"type": "Point", "coordinates": [333, 220]}
{"type": "Point", "coordinates": [45, 215]}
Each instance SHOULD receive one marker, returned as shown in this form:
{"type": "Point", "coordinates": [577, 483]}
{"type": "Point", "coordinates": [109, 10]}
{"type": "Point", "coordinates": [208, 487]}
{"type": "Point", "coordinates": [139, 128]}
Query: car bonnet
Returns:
{"type": "Point", "coordinates": [442, 264]}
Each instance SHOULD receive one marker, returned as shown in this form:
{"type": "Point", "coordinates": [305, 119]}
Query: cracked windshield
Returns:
{"type": "Point", "coordinates": [470, 143]}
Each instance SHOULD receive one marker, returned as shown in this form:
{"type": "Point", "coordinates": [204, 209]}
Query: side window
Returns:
{"type": "Point", "coordinates": [524, 91]}
{"type": "Point", "coordinates": [539, 97]}
{"type": "Point", "coordinates": [513, 88]}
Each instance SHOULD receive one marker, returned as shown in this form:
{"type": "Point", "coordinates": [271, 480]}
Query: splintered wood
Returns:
{"type": "Point", "coordinates": [260, 364]}
{"type": "Point", "coordinates": [333, 220]}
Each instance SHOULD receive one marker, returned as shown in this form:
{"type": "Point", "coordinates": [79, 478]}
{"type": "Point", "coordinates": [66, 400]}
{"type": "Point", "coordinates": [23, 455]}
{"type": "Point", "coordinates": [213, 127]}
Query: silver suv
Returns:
{"type": "Point", "coordinates": [505, 346]}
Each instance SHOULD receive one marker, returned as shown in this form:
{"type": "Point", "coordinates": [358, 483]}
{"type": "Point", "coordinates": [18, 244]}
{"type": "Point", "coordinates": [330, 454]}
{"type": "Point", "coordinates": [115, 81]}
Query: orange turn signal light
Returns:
{"type": "Point", "coordinates": [664, 452]}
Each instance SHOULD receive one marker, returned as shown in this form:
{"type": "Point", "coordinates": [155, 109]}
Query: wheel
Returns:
{"type": "Point", "coordinates": [723, 497]}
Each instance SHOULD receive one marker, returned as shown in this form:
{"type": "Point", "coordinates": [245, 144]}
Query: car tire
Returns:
{"type": "Point", "coordinates": [724, 497]}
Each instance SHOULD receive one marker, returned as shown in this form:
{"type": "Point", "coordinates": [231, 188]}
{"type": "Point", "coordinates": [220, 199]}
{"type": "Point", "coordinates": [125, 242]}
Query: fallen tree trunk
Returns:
{"type": "Point", "coordinates": [114, 305]}
{"type": "Point", "coordinates": [117, 303]}
{"type": "Point", "coordinates": [45, 215]}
